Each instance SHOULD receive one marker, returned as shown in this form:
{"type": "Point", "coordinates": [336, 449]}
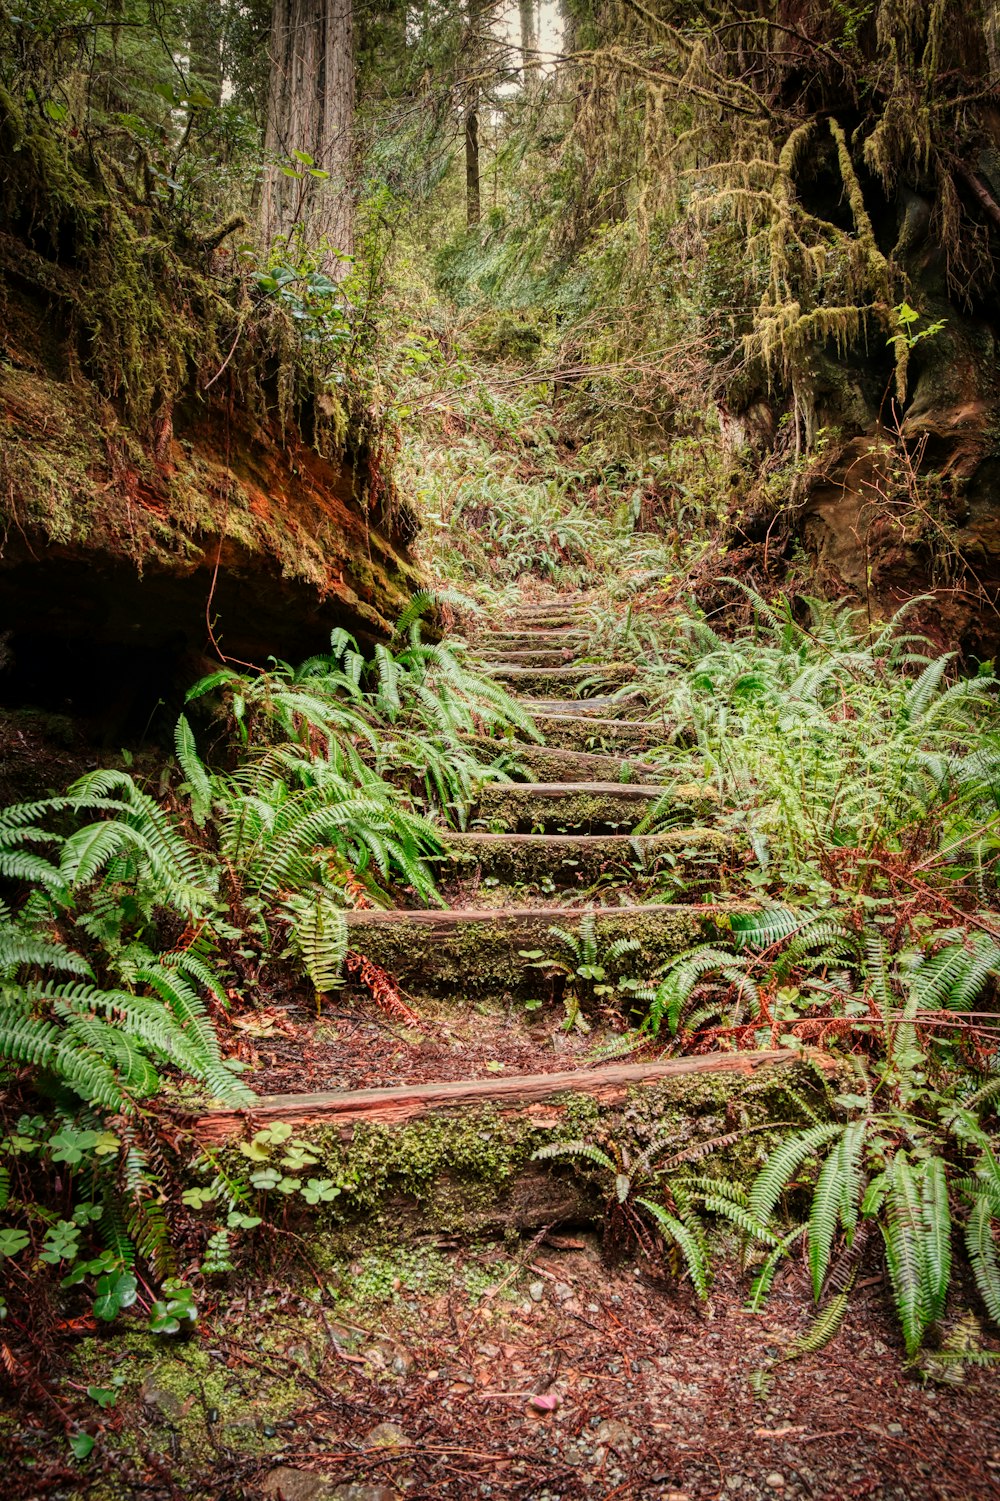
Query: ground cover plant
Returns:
{"type": "Point", "coordinates": [139, 921]}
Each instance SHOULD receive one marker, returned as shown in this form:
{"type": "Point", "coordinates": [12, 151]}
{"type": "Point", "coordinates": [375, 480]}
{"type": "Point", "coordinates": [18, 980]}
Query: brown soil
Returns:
{"type": "Point", "coordinates": [550, 1377]}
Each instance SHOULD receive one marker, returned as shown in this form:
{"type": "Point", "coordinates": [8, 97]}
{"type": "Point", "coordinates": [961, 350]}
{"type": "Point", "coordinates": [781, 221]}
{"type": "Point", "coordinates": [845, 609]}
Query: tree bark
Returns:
{"type": "Point", "coordinates": [473, 192]}
{"type": "Point", "coordinates": [311, 110]}
{"type": "Point", "coordinates": [529, 43]}
{"type": "Point", "coordinates": [205, 49]}
{"type": "Point", "coordinates": [391, 1106]}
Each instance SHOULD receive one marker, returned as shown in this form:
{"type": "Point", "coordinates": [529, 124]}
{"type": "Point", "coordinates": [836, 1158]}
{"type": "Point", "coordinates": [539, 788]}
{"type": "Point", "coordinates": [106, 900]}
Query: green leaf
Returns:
{"type": "Point", "coordinates": [115, 1291]}
{"type": "Point", "coordinates": [13, 1242]}
{"type": "Point", "coordinates": [81, 1444]}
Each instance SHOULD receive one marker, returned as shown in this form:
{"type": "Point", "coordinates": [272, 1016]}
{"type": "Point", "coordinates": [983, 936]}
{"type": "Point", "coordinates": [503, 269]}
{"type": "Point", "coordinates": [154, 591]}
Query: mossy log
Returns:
{"type": "Point", "coordinates": [545, 763]}
{"type": "Point", "coordinates": [569, 859]}
{"type": "Point", "coordinates": [593, 731]}
{"type": "Point", "coordinates": [463, 1165]}
{"type": "Point", "coordinates": [525, 657]}
{"type": "Point", "coordinates": [554, 620]}
{"type": "Point", "coordinates": [564, 681]}
{"type": "Point", "coordinates": [550, 640]}
{"type": "Point", "coordinates": [529, 807]}
{"type": "Point", "coordinates": [391, 1107]}
{"type": "Point", "coordinates": [480, 952]}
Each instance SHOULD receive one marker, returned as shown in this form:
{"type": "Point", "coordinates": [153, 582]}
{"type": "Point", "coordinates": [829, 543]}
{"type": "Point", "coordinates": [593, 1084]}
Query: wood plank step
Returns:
{"type": "Point", "coordinates": [569, 859]}
{"type": "Point", "coordinates": [607, 1083]}
{"type": "Point", "coordinates": [477, 951]}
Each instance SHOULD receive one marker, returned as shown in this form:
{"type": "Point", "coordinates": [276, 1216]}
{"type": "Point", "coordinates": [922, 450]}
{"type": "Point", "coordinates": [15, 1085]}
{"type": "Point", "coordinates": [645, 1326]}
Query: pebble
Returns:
{"type": "Point", "coordinates": [562, 1291]}
{"type": "Point", "coordinates": [775, 1480]}
{"type": "Point", "coordinates": [614, 1435]}
{"type": "Point", "coordinates": [536, 1292]}
{"type": "Point", "coordinates": [895, 1428]}
{"type": "Point", "coordinates": [388, 1436]}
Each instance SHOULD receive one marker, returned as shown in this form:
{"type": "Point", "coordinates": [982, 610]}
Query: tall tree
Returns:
{"type": "Point", "coordinates": [473, 195]}
{"type": "Point", "coordinates": [311, 111]}
{"type": "Point", "coordinates": [528, 12]}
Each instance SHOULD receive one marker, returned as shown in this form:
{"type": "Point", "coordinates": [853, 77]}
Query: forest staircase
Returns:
{"type": "Point", "coordinates": [574, 820]}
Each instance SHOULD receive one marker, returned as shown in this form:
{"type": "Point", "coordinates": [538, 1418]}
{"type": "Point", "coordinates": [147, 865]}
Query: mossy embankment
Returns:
{"type": "Point", "coordinates": [175, 463]}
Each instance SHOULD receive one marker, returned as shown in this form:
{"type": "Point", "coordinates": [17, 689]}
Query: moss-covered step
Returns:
{"type": "Point", "coordinates": [524, 657]}
{"type": "Point", "coordinates": [546, 763]}
{"type": "Point", "coordinates": [551, 621]}
{"type": "Point", "coordinates": [530, 807]}
{"type": "Point", "coordinates": [607, 705]}
{"type": "Point", "coordinates": [479, 952]}
{"type": "Point", "coordinates": [447, 1159]}
{"type": "Point", "coordinates": [564, 681]}
{"type": "Point", "coordinates": [569, 859]}
{"type": "Point", "coordinates": [347, 1108]}
{"type": "Point", "coordinates": [498, 640]}
{"type": "Point", "coordinates": [596, 734]}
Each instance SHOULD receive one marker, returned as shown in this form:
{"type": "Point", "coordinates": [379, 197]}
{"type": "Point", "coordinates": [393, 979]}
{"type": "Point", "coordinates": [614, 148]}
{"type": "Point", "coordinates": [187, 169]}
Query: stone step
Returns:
{"type": "Point", "coordinates": [482, 952]}
{"type": "Point", "coordinates": [563, 681]}
{"type": "Point", "coordinates": [546, 763]}
{"type": "Point", "coordinates": [572, 859]}
{"type": "Point", "coordinates": [595, 807]}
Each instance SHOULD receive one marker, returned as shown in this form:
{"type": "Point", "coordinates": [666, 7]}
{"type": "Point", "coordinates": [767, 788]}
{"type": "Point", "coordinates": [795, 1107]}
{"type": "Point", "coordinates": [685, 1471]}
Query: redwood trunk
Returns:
{"type": "Point", "coordinates": [310, 110]}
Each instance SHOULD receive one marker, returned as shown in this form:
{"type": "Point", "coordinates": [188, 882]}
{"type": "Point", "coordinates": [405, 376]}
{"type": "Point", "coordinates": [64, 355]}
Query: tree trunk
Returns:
{"type": "Point", "coordinates": [473, 195]}
{"type": "Point", "coordinates": [205, 49]}
{"type": "Point", "coordinates": [310, 110]}
{"type": "Point", "coordinates": [529, 44]}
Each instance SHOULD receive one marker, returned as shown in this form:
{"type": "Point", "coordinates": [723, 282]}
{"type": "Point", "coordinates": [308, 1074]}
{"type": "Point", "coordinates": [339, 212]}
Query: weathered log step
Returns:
{"type": "Point", "coordinates": [479, 952]}
{"type": "Point", "coordinates": [566, 604]}
{"type": "Point", "coordinates": [565, 680]}
{"type": "Point", "coordinates": [499, 640]}
{"type": "Point", "coordinates": [589, 733]}
{"type": "Point", "coordinates": [552, 621]}
{"type": "Point", "coordinates": [569, 859]}
{"type": "Point", "coordinates": [532, 807]}
{"type": "Point", "coordinates": [607, 705]}
{"type": "Point", "coordinates": [525, 657]}
{"type": "Point", "coordinates": [546, 763]}
{"type": "Point", "coordinates": [608, 1084]}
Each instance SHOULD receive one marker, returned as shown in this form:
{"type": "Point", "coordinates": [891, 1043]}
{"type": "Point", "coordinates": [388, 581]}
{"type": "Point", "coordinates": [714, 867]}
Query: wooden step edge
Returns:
{"type": "Point", "coordinates": [569, 672]}
{"type": "Point", "coordinates": [390, 1106]}
{"type": "Point", "coordinates": [442, 919]}
{"type": "Point", "coordinates": [627, 791]}
{"type": "Point", "coordinates": [667, 839]}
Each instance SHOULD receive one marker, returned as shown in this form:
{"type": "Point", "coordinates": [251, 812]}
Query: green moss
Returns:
{"type": "Point", "coordinates": [571, 863]}
{"type": "Point", "coordinates": [515, 808]}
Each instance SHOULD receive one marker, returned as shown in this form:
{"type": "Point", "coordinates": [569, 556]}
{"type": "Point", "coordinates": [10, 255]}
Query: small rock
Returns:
{"type": "Point", "coordinates": [387, 1436]}
{"type": "Point", "coordinates": [775, 1480]}
{"type": "Point", "coordinates": [156, 1394]}
{"type": "Point", "coordinates": [894, 1428]}
{"type": "Point", "coordinates": [536, 1292]}
{"type": "Point", "coordinates": [362, 1491]}
{"type": "Point", "coordinates": [286, 1484]}
{"type": "Point", "coordinates": [614, 1435]}
{"type": "Point", "coordinates": [562, 1291]}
